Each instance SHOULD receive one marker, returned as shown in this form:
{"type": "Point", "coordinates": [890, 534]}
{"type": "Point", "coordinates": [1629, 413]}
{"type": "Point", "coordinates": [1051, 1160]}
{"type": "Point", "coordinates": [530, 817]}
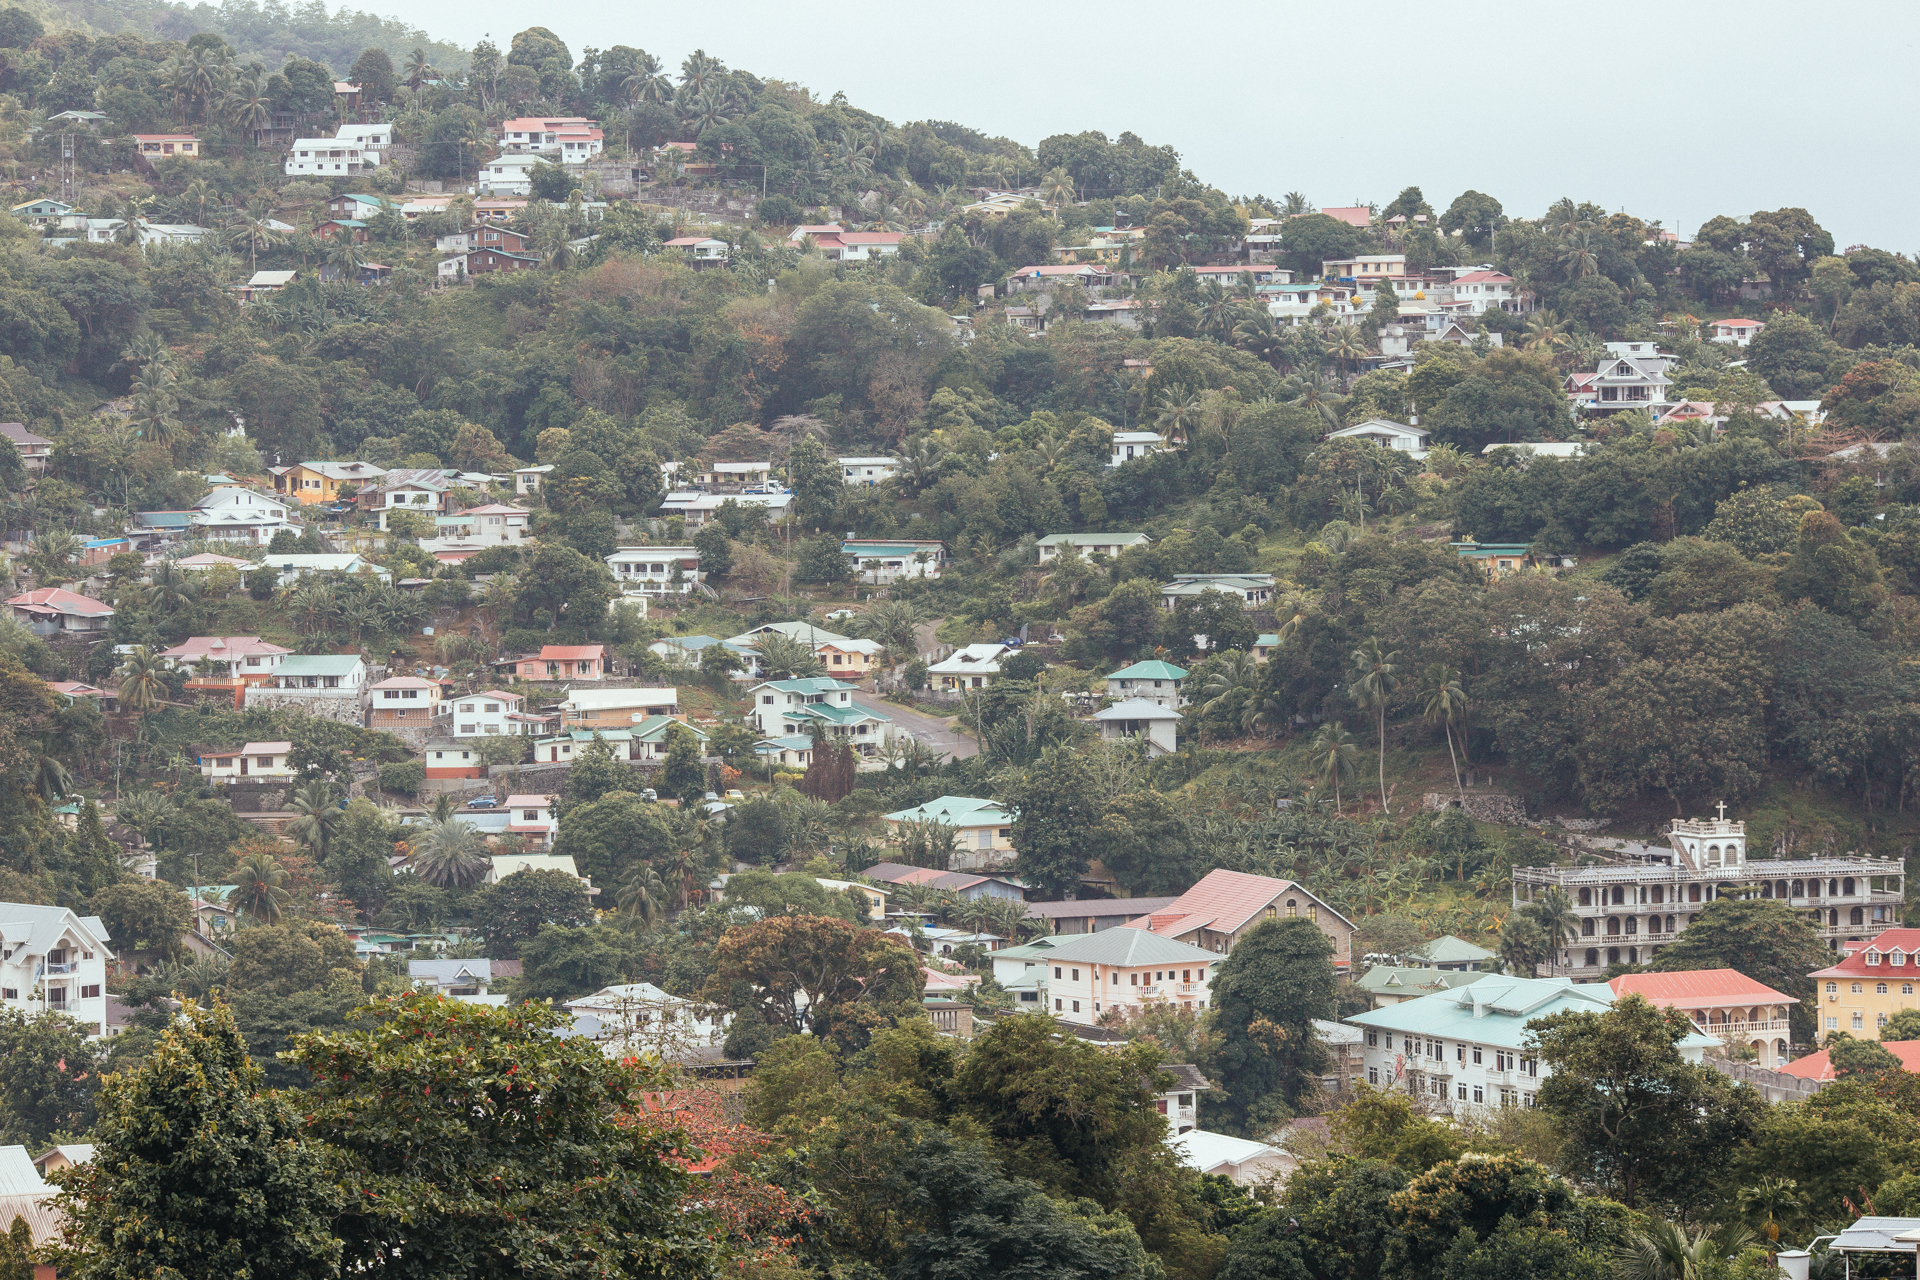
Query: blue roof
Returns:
{"type": "Point", "coordinates": [1152, 669]}
{"type": "Point", "coordinates": [786, 742]}
{"type": "Point", "coordinates": [957, 811]}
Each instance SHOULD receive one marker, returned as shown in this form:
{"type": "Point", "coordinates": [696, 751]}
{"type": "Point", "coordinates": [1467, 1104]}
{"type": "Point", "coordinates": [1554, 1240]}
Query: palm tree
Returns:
{"type": "Point", "coordinates": [51, 779]}
{"type": "Point", "coordinates": [1579, 258]}
{"type": "Point", "coordinates": [784, 658]}
{"type": "Point", "coordinates": [153, 414]}
{"type": "Point", "coordinates": [646, 84]}
{"type": "Point", "coordinates": [419, 70]}
{"type": "Point", "coordinates": [1332, 753]}
{"type": "Point", "coordinates": [247, 106]}
{"type": "Point", "coordinates": [1057, 187]}
{"type": "Point", "coordinates": [643, 895]}
{"type": "Point", "coordinates": [1180, 410]}
{"type": "Point", "coordinates": [1373, 675]}
{"type": "Point", "coordinates": [141, 685]}
{"type": "Point", "coordinates": [1346, 345]}
{"type": "Point", "coordinates": [697, 69]}
{"type": "Point", "coordinates": [1554, 913]}
{"type": "Point", "coordinates": [1773, 1199]}
{"type": "Point", "coordinates": [1667, 1251]}
{"type": "Point", "coordinates": [253, 235]}
{"type": "Point", "coordinates": [450, 855]}
{"type": "Point", "coordinates": [708, 109]}
{"type": "Point", "coordinates": [1545, 332]}
{"type": "Point", "coordinates": [1446, 461]}
{"type": "Point", "coordinates": [1445, 696]}
{"type": "Point", "coordinates": [260, 887]}
{"type": "Point", "coordinates": [1294, 205]}
{"type": "Point", "coordinates": [1355, 508]}
{"type": "Point", "coordinates": [317, 817]}
{"type": "Point", "coordinates": [343, 255]}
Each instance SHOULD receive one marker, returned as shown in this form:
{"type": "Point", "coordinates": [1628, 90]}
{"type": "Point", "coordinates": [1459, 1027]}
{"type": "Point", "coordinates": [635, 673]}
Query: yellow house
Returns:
{"type": "Point", "coordinates": [844, 658]}
{"type": "Point", "coordinates": [1874, 981]}
{"type": "Point", "coordinates": [161, 146]}
{"type": "Point", "coordinates": [317, 482]}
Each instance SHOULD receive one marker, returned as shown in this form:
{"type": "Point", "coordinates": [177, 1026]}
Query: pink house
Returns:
{"type": "Point", "coordinates": [562, 662]}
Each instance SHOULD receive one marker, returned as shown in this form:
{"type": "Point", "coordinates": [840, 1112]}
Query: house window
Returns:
{"type": "Point", "coordinates": [1479, 1094]}
{"type": "Point", "coordinates": [1856, 1022]}
{"type": "Point", "coordinates": [92, 992]}
{"type": "Point", "coordinates": [1373, 1073]}
{"type": "Point", "coordinates": [1076, 1007]}
{"type": "Point", "coordinates": [1476, 1055]}
{"type": "Point", "coordinates": [1880, 989]}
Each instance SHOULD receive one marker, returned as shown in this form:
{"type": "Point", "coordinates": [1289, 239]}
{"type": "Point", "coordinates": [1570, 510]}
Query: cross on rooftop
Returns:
{"type": "Point", "coordinates": [1723, 811]}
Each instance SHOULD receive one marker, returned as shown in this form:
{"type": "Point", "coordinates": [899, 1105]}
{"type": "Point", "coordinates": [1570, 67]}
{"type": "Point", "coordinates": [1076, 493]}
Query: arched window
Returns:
{"type": "Point", "coordinates": [1593, 957]}
{"type": "Point", "coordinates": [1613, 955]}
{"type": "Point", "coordinates": [1853, 916]}
{"type": "Point", "coordinates": [1659, 893]}
{"type": "Point", "coordinates": [1713, 855]}
{"type": "Point", "coordinates": [1586, 928]}
{"type": "Point", "coordinates": [1813, 888]}
{"type": "Point", "coordinates": [1833, 888]}
{"type": "Point", "coordinates": [1846, 887]}
{"type": "Point", "coordinates": [1619, 895]}
{"type": "Point", "coordinates": [1670, 923]}
{"type": "Point", "coordinates": [1766, 889]}
{"type": "Point", "coordinates": [1633, 955]}
{"type": "Point", "coordinates": [1613, 926]}
{"type": "Point", "coordinates": [1780, 890]}
{"type": "Point", "coordinates": [1833, 919]}
{"type": "Point", "coordinates": [1753, 1015]}
{"type": "Point", "coordinates": [1693, 893]}
{"type": "Point", "coordinates": [1633, 924]}
{"type": "Point", "coordinates": [1586, 897]}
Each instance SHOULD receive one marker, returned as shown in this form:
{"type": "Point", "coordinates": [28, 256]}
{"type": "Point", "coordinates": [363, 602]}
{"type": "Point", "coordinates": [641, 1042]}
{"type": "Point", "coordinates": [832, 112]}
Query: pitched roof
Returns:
{"type": "Point", "coordinates": [1129, 947]}
{"type": "Point", "coordinates": [1484, 277]}
{"type": "Point", "coordinates": [1447, 949]}
{"type": "Point", "coordinates": [1819, 1066]}
{"type": "Point", "coordinates": [223, 648]}
{"type": "Point", "coordinates": [38, 927]}
{"type": "Point", "coordinates": [1224, 901]}
{"type": "Point", "coordinates": [1855, 964]}
{"type": "Point", "coordinates": [1411, 981]}
{"type": "Point", "coordinates": [60, 600]}
{"type": "Point", "coordinates": [319, 664]}
{"type": "Point", "coordinates": [1098, 908]}
{"type": "Point", "coordinates": [18, 433]}
{"type": "Point", "coordinates": [957, 811]}
{"type": "Point", "coordinates": [1697, 985]}
{"type": "Point", "coordinates": [1152, 669]}
{"type": "Point", "coordinates": [1205, 1151]}
{"type": "Point", "coordinates": [1506, 1005]}
{"type": "Point", "coordinates": [571, 652]}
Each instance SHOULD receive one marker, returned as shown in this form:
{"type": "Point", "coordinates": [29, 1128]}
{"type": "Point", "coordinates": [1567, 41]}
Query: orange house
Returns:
{"type": "Point", "coordinates": [562, 662]}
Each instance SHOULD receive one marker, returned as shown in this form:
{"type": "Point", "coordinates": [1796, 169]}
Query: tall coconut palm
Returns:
{"type": "Point", "coordinates": [1545, 332]}
{"type": "Point", "coordinates": [784, 658]}
{"type": "Point", "coordinates": [643, 896]}
{"type": "Point", "coordinates": [142, 687]}
{"type": "Point", "coordinates": [1769, 1202]}
{"type": "Point", "coordinates": [1332, 753]}
{"type": "Point", "coordinates": [1553, 912]}
{"type": "Point", "coordinates": [1346, 345]}
{"type": "Point", "coordinates": [260, 887]}
{"type": "Point", "coordinates": [1445, 698]}
{"type": "Point", "coordinates": [317, 818]}
{"type": "Point", "coordinates": [344, 256]}
{"type": "Point", "coordinates": [1294, 204]}
{"type": "Point", "coordinates": [450, 855]}
{"type": "Point", "coordinates": [1373, 676]}
{"type": "Point", "coordinates": [1180, 410]}
{"type": "Point", "coordinates": [419, 70]}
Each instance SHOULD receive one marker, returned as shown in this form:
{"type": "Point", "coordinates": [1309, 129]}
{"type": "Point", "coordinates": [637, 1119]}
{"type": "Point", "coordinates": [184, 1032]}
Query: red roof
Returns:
{"type": "Point", "coordinates": [1358, 215]}
{"type": "Point", "coordinates": [1698, 986]}
{"type": "Point", "coordinates": [1818, 1066]}
{"type": "Point", "coordinates": [1484, 277]}
{"type": "Point", "coordinates": [223, 648]}
{"type": "Point", "coordinates": [1223, 901]}
{"type": "Point", "coordinates": [1855, 964]}
{"type": "Point", "coordinates": [60, 600]}
{"type": "Point", "coordinates": [571, 652]}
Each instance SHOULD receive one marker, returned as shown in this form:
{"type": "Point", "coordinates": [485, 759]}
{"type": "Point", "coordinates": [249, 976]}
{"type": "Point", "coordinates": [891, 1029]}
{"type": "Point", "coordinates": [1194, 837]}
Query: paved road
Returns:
{"type": "Point", "coordinates": [934, 732]}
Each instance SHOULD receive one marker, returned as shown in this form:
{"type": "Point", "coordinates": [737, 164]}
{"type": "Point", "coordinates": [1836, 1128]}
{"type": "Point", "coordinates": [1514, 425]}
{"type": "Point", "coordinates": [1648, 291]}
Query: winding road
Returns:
{"type": "Point", "coordinates": [935, 732]}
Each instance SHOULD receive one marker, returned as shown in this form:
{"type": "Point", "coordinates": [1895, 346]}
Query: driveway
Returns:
{"type": "Point", "coordinates": [936, 733]}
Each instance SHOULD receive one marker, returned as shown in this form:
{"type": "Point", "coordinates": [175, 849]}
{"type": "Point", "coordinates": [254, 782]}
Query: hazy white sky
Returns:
{"type": "Point", "coordinates": [1676, 110]}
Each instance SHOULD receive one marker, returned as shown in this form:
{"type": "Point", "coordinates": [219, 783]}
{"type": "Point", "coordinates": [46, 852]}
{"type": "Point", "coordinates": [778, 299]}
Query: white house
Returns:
{"type": "Point", "coordinates": [369, 137]}
{"type": "Point", "coordinates": [1388, 434]}
{"type": "Point", "coordinates": [639, 1017]}
{"type": "Point", "coordinates": [1149, 681]}
{"type": "Point", "coordinates": [782, 698]}
{"type": "Point", "coordinates": [1251, 589]}
{"type": "Point", "coordinates": [1480, 291]}
{"type": "Point", "coordinates": [617, 708]}
{"type": "Point", "coordinates": [531, 816]}
{"type": "Point", "coordinates": [171, 233]}
{"type": "Point", "coordinates": [654, 570]}
{"type": "Point", "coordinates": [1129, 969]}
{"type": "Point", "coordinates": [969, 668]}
{"type": "Point", "coordinates": [700, 250]}
{"type": "Point", "coordinates": [697, 508]}
{"type": "Point", "coordinates": [486, 714]}
{"type": "Point", "coordinates": [1088, 544]}
{"type": "Point", "coordinates": [1629, 378]}
{"type": "Point", "coordinates": [1468, 1047]}
{"type": "Point", "coordinates": [1128, 445]}
{"type": "Point", "coordinates": [330, 157]}
{"type": "Point", "coordinates": [1137, 717]}
{"type": "Point", "coordinates": [493, 525]}
{"type": "Point", "coordinates": [235, 514]}
{"type": "Point", "coordinates": [509, 175]}
{"type": "Point", "coordinates": [292, 567]}
{"type": "Point", "coordinates": [562, 139]}
{"type": "Point", "coordinates": [254, 760]}
{"type": "Point", "coordinates": [529, 479]}
{"type": "Point", "coordinates": [53, 961]}
{"type": "Point", "coordinates": [328, 677]}
{"type": "Point", "coordinates": [1243, 1160]}
{"type": "Point", "coordinates": [868, 471]}
{"type": "Point", "coordinates": [470, 980]}
{"type": "Point", "coordinates": [1736, 333]}
{"type": "Point", "coordinates": [884, 560]}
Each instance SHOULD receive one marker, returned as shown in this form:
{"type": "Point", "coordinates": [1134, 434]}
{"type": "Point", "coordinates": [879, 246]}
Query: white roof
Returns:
{"type": "Point", "coordinates": [38, 928]}
{"type": "Point", "coordinates": [1378, 426]}
{"type": "Point", "coordinates": [975, 659]}
{"type": "Point", "coordinates": [1206, 1151]}
{"type": "Point", "coordinates": [1544, 448]}
{"type": "Point", "coordinates": [1136, 709]}
{"type": "Point", "coordinates": [505, 864]}
{"type": "Point", "coordinates": [1136, 437]}
{"type": "Point", "coordinates": [869, 462]}
{"type": "Point", "coordinates": [615, 699]}
{"type": "Point", "coordinates": [18, 1177]}
{"type": "Point", "coordinates": [271, 279]}
{"type": "Point", "coordinates": [612, 997]}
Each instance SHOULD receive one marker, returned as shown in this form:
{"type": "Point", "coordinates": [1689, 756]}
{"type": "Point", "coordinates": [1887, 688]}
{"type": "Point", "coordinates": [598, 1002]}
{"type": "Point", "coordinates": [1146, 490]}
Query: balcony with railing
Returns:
{"type": "Point", "coordinates": [1744, 1029]}
{"type": "Point", "coordinates": [54, 970]}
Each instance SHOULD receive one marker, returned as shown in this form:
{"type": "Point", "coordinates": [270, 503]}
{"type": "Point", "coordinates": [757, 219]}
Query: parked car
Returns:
{"type": "Point", "coordinates": [484, 802]}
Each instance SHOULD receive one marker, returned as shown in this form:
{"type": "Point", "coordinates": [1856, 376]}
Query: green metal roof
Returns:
{"type": "Point", "coordinates": [956, 811]}
{"type": "Point", "coordinates": [1507, 1005]}
{"type": "Point", "coordinates": [832, 714]}
{"type": "Point", "coordinates": [1152, 669]}
{"type": "Point", "coordinates": [1412, 982]}
{"type": "Point", "coordinates": [1448, 949]}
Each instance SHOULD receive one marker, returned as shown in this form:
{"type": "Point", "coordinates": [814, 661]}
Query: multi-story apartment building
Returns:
{"type": "Point", "coordinates": [1628, 911]}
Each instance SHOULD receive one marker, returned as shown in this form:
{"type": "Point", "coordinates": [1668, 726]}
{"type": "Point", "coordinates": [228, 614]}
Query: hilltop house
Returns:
{"type": "Point", "coordinates": [982, 828]}
{"type": "Point", "coordinates": [885, 560]}
{"type": "Point", "coordinates": [560, 662]}
{"type": "Point", "coordinates": [234, 513]}
{"type": "Point", "coordinates": [321, 482]}
{"type": "Point", "coordinates": [778, 700]}
{"type": "Point", "coordinates": [868, 472]}
{"type": "Point", "coordinates": [51, 611]}
{"type": "Point", "coordinates": [251, 760]}
{"type": "Point", "coordinates": [1125, 969]}
{"type": "Point", "coordinates": [35, 451]}
{"type": "Point", "coordinates": [1251, 589]}
{"type": "Point", "coordinates": [1088, 544]}
{"type": "Point", "coordinates": [1724, 1004]}
{"type": "Point", "coordinates": [329, 677]}
{"type": "Point", "coordinates": [1401, 436]}
{"type": "Point", "coordinates": [656, 571]}
{"type": "Point", "coordinates": [1128, 445]}
{"type": "Point", "coordinates": [1138, 718]}
{"type": "Point", "coordinates": [618, 708]}
{"type": "Point", "coordinates": [1149, 681]}
{"type": "Point", "coordinates": [1872, 981]}
{"type": "Point", "coordinates": [972, 667]}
